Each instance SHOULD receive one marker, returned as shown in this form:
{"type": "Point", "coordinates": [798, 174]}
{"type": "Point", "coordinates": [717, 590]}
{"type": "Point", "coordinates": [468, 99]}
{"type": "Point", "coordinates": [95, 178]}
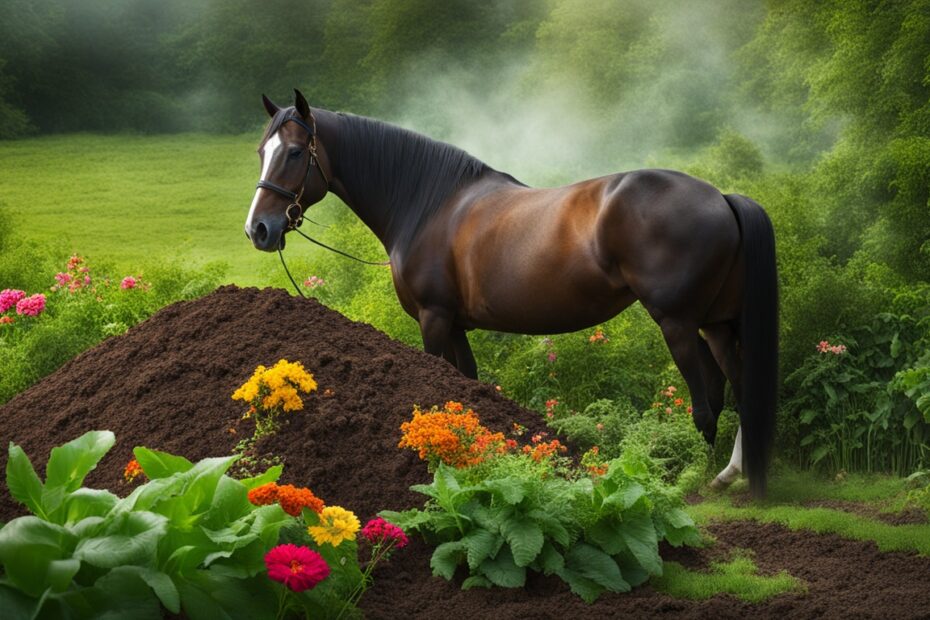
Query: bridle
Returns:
{"type": "Point", "coordinates": [294, 222]}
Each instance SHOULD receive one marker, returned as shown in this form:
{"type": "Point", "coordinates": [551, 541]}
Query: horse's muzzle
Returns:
{"type": "Point", "coordinates": [267, 238]}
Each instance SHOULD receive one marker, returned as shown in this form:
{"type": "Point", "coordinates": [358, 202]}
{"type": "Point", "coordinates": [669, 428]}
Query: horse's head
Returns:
{"type": "Point", "coordinates": [292, 176]}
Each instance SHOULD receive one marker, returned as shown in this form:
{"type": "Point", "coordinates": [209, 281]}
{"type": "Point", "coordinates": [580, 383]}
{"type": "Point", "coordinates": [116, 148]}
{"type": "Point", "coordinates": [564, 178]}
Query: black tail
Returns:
{"type": "Point", "coordinates": [758, 338]}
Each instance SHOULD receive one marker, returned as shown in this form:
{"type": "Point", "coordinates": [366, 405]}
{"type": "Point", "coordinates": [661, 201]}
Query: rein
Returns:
{"type": "Point", "coordinates": [294, 222]}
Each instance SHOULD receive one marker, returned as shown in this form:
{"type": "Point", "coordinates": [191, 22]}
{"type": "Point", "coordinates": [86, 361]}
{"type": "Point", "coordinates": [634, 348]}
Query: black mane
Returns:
{"type": "Point", "coordinates": [404, 173]}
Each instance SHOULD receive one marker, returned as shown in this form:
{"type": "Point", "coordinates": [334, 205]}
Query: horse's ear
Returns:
{"type": "Point", "coordinates": [269, 106]}
{"type": "Point", "coordinates": [300, 102]}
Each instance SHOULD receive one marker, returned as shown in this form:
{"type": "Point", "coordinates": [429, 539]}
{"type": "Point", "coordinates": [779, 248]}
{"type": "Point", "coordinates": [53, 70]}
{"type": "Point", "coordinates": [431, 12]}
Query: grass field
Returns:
{"type": "Point", "coordinates": [127, 199]}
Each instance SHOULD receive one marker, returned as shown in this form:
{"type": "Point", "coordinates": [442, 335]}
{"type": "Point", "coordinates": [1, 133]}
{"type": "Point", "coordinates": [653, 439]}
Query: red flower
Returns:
{"type": "Point", "coordinates": [379, 531]}
{"type": "Point", "coordinates": [299, 568]}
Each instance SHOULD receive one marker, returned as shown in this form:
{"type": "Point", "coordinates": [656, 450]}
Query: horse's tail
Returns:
{"type": "Point", "coordinates": [758, 339]}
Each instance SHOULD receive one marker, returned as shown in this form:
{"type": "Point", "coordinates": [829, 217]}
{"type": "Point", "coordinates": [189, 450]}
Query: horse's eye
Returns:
{"type": "Point", "coordinates": [295, 154]}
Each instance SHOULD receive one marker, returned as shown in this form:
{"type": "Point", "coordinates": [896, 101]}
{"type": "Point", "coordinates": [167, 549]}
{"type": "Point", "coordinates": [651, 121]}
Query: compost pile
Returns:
{"type": "Point", "coordinates": [167, 383]}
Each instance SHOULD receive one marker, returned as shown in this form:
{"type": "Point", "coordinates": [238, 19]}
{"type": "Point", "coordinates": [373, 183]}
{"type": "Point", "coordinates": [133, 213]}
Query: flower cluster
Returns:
{"type": "Point", "coordinates": [594, 462]}
{"type": "Point", "coordinates": [33, 305]}
{"type": "Point", "coordinates": [9, 298]}
{"type": "Point", "coordinates": [824, 346]}
{"type": "Point", "coordinates": [336, 525]}
{"type": "Point", "coordinates": [314, 282]}
{"type": "Point", "coordinates": [75, 278]}
{"type": "Point", "coordinates": [132, 471]}
{"type": "Point", "coordinates": [598, 336]}
{"type": "Point", "coordinates": [277, 387]}
{"type": "Point", "coordinates": [380, 532]}
{"type": "Point", "coordinates": [292, 499]}
{"type": "Point", "coordinates": [540, 449]}
{"type": "Point", "coordinates": [128, 283]}
{"type": "Point", "coordinates": [669, 403]}
{"type": "Point", "coordinates": [452, 436]}
{"type": "Point", "coordinates": [298, 568]}
{"type": "Point", "coordinates": [551, 404]}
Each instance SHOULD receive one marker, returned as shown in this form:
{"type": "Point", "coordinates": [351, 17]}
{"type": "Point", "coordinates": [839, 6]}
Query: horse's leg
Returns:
{"type": "Point", "coordinates": [682, 340]}
{"type": "Point", "coordinates": [464, 358]}
{"type": "Point", "coordinates": [435, 328]}
{"type": "Point", "coordinates": [722, 342]}
{"type": "Point", "coordinates": [714, 379]}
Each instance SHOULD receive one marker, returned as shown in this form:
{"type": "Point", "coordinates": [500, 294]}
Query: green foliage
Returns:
{"type": "Point", "coordinates": [603, 423]}
{"type": "Point", "coordinates": [597, 535]}
{"type": "Point", "coordinates": [33, 347]}
{"type": "Point", "coordinates": [187, 540]}
{"type": "Point", "coordinates": [671, 446]}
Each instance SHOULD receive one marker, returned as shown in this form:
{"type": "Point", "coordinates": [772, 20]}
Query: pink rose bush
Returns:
{"type": "Point", "coordinates": [9, 298]}
{"type": "Point", "coordinates": [31, 306]}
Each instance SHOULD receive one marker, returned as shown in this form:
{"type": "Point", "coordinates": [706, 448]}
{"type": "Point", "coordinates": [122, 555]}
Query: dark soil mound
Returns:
{"type": "Point", "coordinates": [167, 383]}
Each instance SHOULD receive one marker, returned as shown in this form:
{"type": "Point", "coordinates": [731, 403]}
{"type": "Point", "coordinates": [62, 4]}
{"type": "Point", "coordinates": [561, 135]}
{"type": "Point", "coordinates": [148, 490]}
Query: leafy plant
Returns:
{"type": "Point", "coordinates": [597, 535]}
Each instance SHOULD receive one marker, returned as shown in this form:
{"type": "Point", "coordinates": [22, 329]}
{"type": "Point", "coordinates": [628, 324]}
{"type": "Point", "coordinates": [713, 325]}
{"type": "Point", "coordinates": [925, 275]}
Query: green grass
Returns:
{"type": "Point", "coordinates": [738, 578]}
{"type": "Point", "coordinates": [127, 199]}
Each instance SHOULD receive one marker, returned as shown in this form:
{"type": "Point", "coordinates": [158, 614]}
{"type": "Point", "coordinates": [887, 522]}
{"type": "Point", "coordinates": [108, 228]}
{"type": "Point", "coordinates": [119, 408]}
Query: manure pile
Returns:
{"type": "Point", "coordinates": [166, 384]}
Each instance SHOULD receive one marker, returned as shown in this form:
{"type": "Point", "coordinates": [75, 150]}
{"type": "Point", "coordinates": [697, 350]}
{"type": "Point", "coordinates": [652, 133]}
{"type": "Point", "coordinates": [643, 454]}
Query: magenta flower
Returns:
{"type": "Point", "coordinates": [378, 531]}
{"type": "Point", "coordinates": [9, 297]}
{"type": "Point", "coordinates": [128, 283]}
{"type": "Point", "coordinates": [62, 278]}
{"type": "Point", "coordinates": [32, 305]}
{"type": "Point", "coordinates": [552, 356]}
{"type": "Point", "coordinates": [298, 568]}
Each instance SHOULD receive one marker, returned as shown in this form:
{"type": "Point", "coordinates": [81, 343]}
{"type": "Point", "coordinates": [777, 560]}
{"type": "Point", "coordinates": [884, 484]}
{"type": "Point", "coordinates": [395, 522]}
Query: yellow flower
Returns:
{"type": "Point", "coordinates": [270, 388]}
{"type": "Point", "coordinates": [336, 525]}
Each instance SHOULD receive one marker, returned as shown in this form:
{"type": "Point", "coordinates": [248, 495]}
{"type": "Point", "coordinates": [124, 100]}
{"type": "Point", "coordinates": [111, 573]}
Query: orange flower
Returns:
{"type": "Point", "coordinates": [448, 436]}
{"type": "Point", "coordinates": [132, 471]}
{"type": "Point", "coordinates": [679, 402]}
{"type": "Point", "coordinates": [292, 499]}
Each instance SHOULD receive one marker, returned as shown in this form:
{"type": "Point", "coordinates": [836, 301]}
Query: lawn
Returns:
{"type": "Point", "coordinates": [128, 198]}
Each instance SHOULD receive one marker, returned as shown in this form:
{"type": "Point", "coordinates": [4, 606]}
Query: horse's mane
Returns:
{"type": "Point", "coordinates": [407, 174]}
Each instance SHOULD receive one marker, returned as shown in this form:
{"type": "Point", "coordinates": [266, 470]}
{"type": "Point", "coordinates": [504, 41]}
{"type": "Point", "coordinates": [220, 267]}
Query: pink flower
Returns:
{"type": "Point", "coordinates": [32, 305]}
{"type": "Point", "coordinates": [9, 297]}
{"type": "Point", "coordinates": [551, 356]}
{"type": "Point", "coordinates": [823, 346]}
{"type": "Point", "coordinates": [838, 349]}
{"type": "Point", "coordinates": [668, 410]}
{"type": "Point", "coordinates": [298, 568]}
{"type": "Point", "coordinates": [62, 278]}
{"type": "Point", "coordinates": [313, 282]}
{"type": "Point", "coordinates": [128, 283]}
{"type": "Point", "coordinates": [378, 531]}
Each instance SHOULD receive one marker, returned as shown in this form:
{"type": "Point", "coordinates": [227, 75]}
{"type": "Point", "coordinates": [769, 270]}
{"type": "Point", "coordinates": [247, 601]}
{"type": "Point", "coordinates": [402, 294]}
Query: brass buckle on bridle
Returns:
{"type": "Point", "coordinates": [295, 222]}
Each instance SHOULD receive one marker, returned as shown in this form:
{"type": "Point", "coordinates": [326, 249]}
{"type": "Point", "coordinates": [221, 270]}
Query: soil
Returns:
{"type": "Point", "coordinates": [167, 383]}
{"type": "Point", "coordinates": [908, 516]}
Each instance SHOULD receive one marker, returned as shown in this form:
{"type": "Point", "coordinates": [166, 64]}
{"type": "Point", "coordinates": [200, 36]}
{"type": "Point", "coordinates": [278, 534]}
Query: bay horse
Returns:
{"type": "Point", "coordinates": [473, 248]}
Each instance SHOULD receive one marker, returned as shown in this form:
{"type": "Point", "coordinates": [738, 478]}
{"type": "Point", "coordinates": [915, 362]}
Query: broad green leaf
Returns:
{"type": "Point", "coordinates": [271, 475]}
{"type": "Point", "coordinates": [586, 588]}
{"type": "Point", "coordinates": [446, 558]}
{"type": "Point", "coordinates": [624, 497]}
{"type": "Point", "coordinates": [85, 503]}
{"type": "Point", "coordinates": [23, 482]}
{"type": "Point", "coordinates": [31, 551]}
{"type": "Point", "coordinates": [481, 544]}
{"type": "Point", "coordinates": [551, 527]}
{"type": "Point", "coordinates": [70, 463]}
{"type": "Point", "coordinates": [122, 593]}
{"type": "Point", "coordinates": [503, 571]}
{"type": "Point", "coordinates": [230, 502]}
{"type": "Point", "coordinates": [16, 605]}
{"type": "Point", "coordinates": [524, 537]}
{"type": "Point", "coordinates": [819, 452]}
{"type": "Point", "coordinates": [476, 581]}
{"type": "Point", "coordinates": [409, 520]}
{"type": "Point", "coordinates": [511, 490]}
{"type": "Point", "coordinates": [593, 564]}
{"type": "Point", "coordinates": [160, 583]}
{"type": "Point", "coordinates": [639, 534]}
{"type": "Point", "coordinates": [130, 538]}
{"type": "Point", "coordinates": [606, 535]}
{"type": "Point", "coordinates": [158, 464]}
{"type": "Point", "coordinates": [550, 560]}
{"type": "Point", "coordinates": [633, 573]}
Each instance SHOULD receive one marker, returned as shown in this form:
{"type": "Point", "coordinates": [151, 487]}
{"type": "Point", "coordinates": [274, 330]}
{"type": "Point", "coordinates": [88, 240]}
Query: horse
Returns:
{"type": "Point", "coordinates": [471, 247]}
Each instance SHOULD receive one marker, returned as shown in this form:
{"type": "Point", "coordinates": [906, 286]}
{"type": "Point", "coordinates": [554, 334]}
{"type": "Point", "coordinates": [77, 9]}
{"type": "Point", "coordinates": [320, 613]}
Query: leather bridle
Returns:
{"type": "Point", "coordinates": [295, 221]}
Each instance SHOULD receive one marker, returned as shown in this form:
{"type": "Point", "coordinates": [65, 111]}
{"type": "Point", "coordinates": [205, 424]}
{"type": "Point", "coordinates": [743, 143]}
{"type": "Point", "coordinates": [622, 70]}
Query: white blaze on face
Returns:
{"type": "Point", "coordinates": [268, 153]}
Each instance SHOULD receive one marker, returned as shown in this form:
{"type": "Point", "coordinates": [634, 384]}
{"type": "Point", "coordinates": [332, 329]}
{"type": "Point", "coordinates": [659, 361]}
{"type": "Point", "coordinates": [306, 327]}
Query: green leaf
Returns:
{"type": "Point", "coordinates": [503, 571]}
{"type": "Point", "coordinates": [23, 482]}
{"type": "Point", "coordinates": [586, 588]}
{"type": "Point", "coordinates": [158, 464]}
{"type": "Point", "coordinates": [70, 463]}
{"type": "Point", "coordinates": [16, 605]}
{"type": "Point", "coordinates": [130, 538]}
{"type": "Point", "coordinates": [446, 558]}
{"type": "Point", "coordinates": [160, 583]}
{"type": "Point", "coordinates": [476, 581]}
{"type": "Point", "coordinates": [550, 560]}
{"type": "Point", "coordinates": [606, 534]}
{"type": "Point", "coordinates": [409, 520]}
{"type": "Point", "coordinates": [271, 475]}
{"type": "Point", "coordinates": [481, 544]}
{"type": "Point", "coordinates": [124, 593]}
{"type": "Point", "coordinates": [808, 416]}
{"type": "Point", "coordinates": [624, 497]}
{"type": "Point", "coordinates": [511, 490]}
{"type": "Point", "coordinates": [639, 534]}
{"type": "Point", "coordinates": [85, 503]}
{"type": "Point", "coordinates": [592, 563]}
{"type": "Point", "coordinates": [551, 527]}
{"type": "Point", "coordinates": [35, 555]}
{"type": "Point", "coordinates": [524, 537]}
{"type": "Point", "coordinates": [819, 452]}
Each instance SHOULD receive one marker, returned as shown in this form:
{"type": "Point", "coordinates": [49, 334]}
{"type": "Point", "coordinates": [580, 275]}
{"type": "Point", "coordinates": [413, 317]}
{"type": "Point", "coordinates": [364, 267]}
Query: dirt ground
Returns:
{"type": "Point", "coordinates": [167, 383]}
